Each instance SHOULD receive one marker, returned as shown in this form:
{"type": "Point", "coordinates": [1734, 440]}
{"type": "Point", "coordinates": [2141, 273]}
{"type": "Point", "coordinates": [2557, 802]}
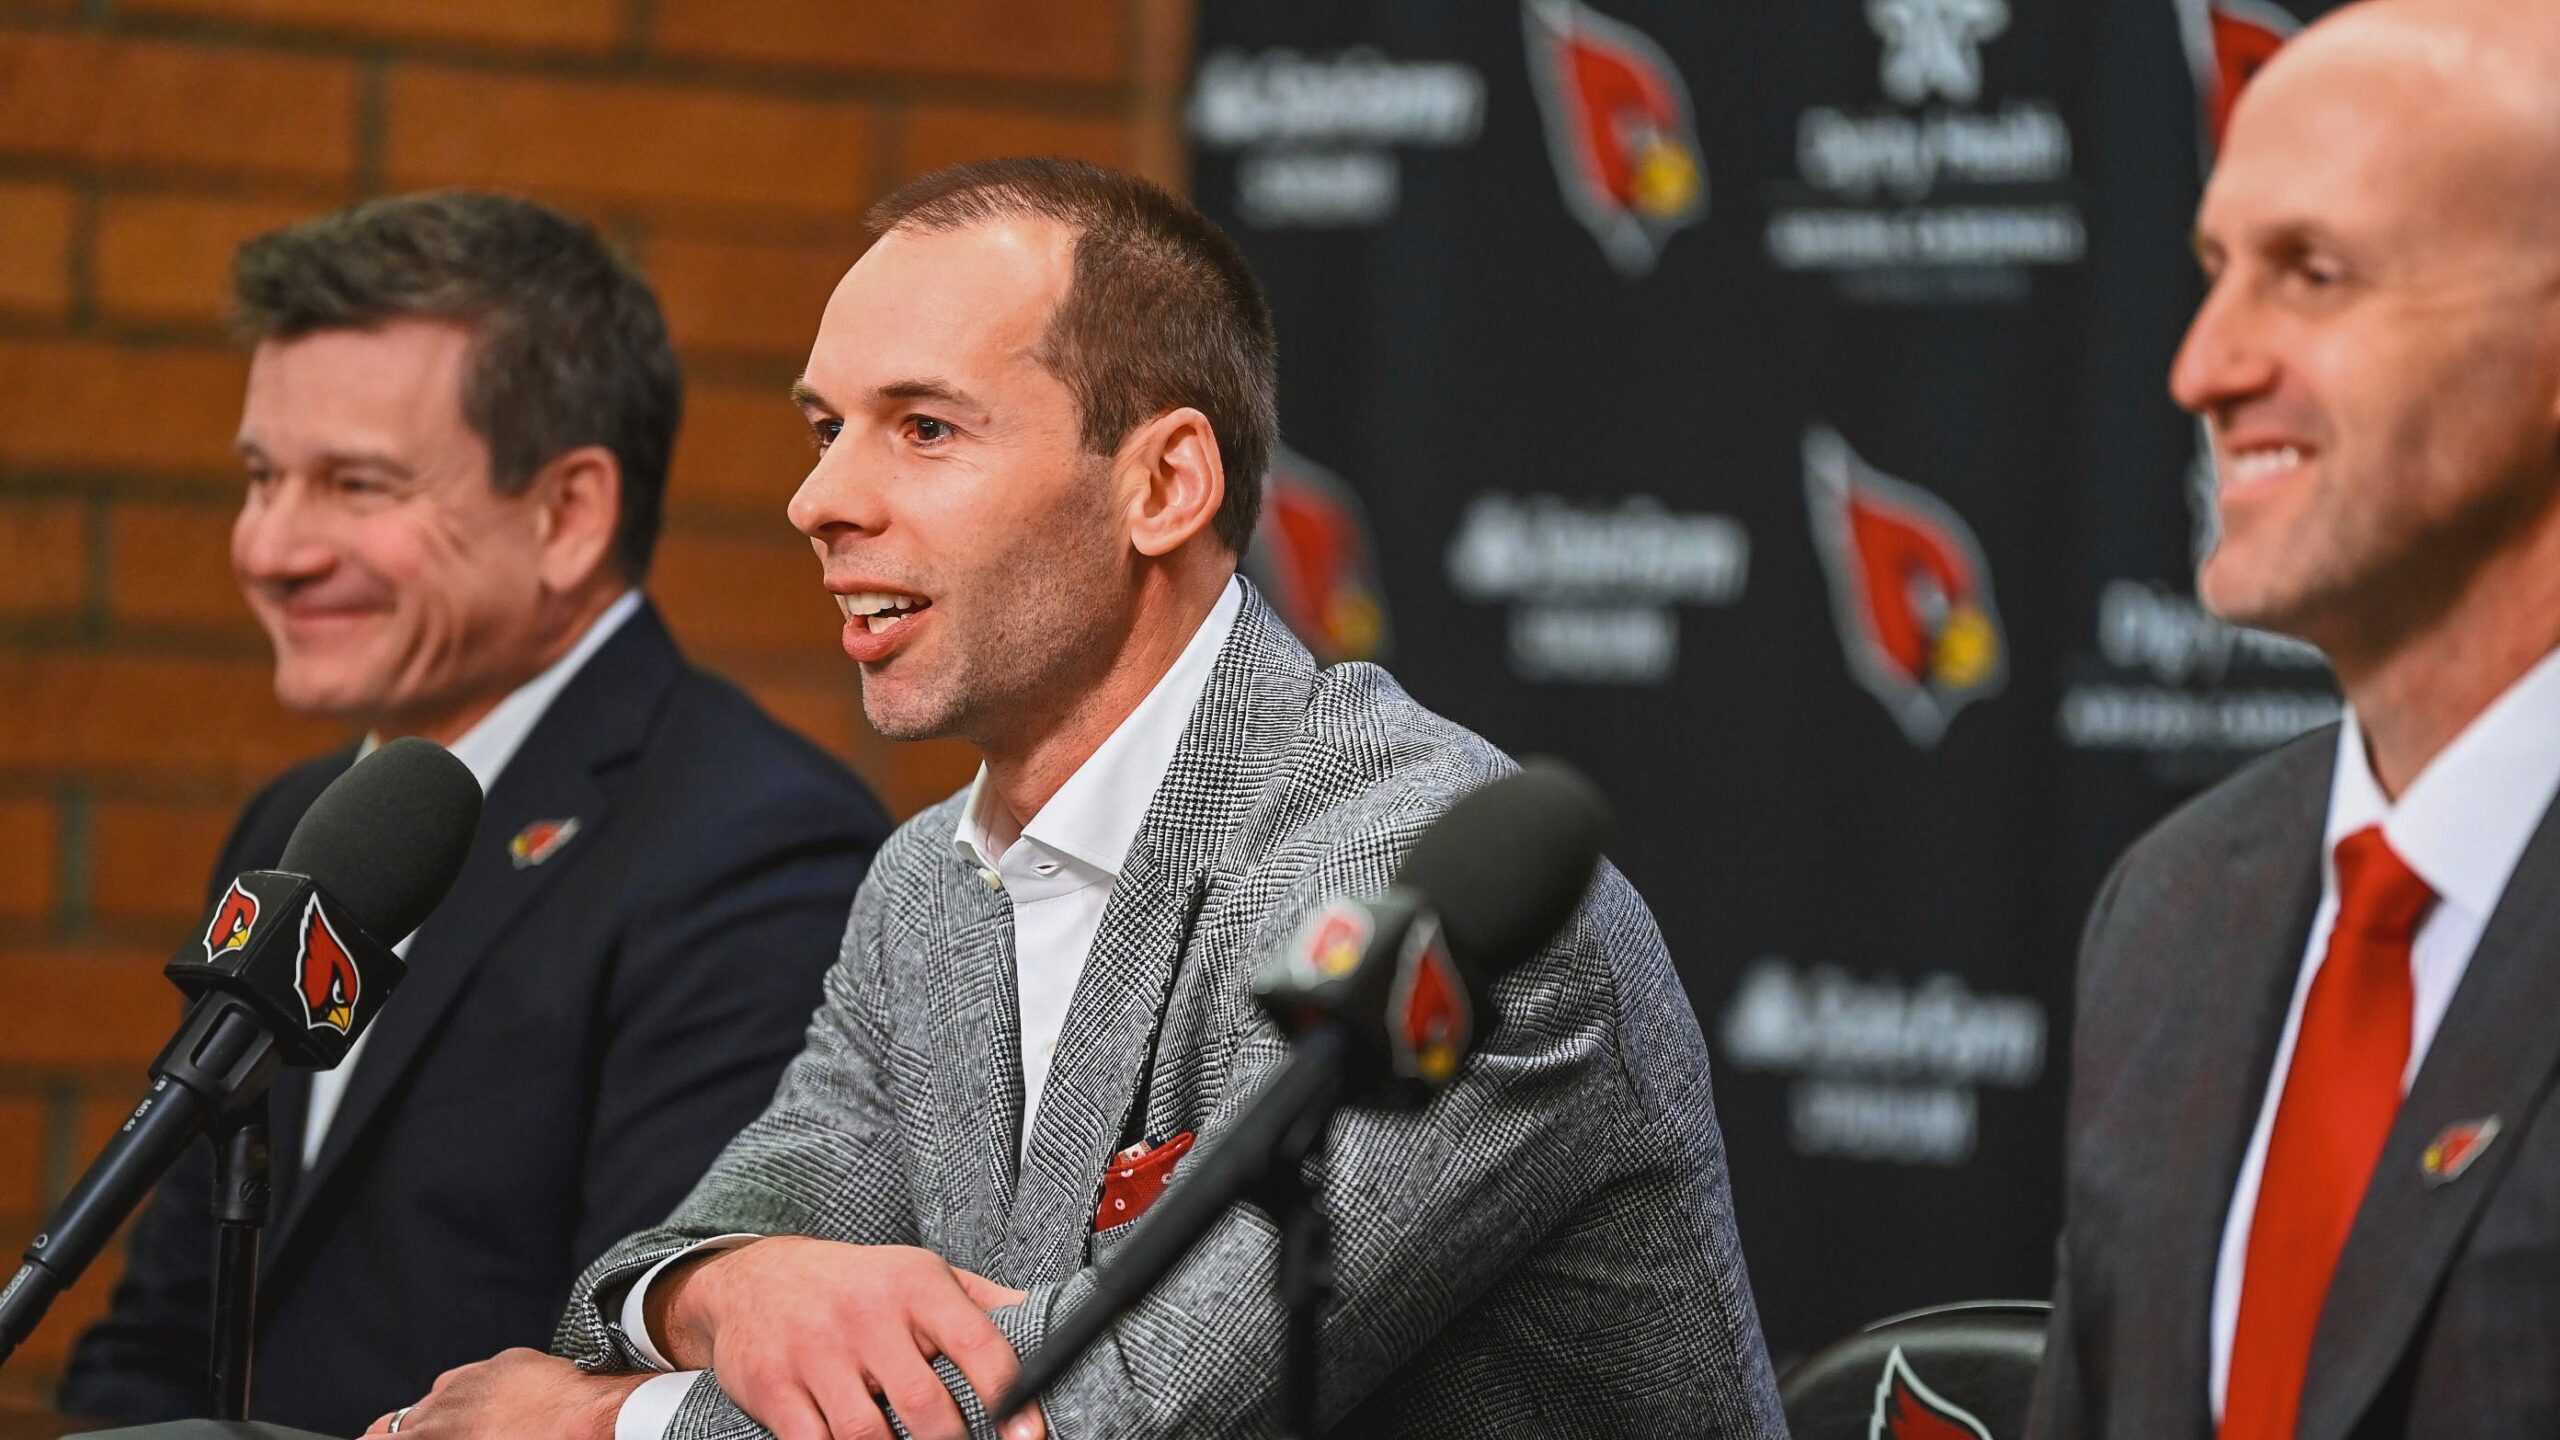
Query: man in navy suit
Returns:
{"type": "Point", "coordinates": [459, 415]}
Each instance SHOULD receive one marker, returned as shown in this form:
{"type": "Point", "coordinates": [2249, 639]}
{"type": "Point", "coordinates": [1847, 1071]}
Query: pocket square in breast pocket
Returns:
{"type": "Point", "coordinates": [1136, 1177]}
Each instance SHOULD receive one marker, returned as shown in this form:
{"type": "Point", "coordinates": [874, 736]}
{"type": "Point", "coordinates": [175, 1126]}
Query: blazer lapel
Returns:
{"type": "Point", "coordinates": [2494, 1055]}
{"type": "Point", "coordinates": [1238, 732]}
{"type": "Point", "coordinates": [2234, 947]}
{"type": "Point", "coordinates": [600, 717]}
{"type": "Point", "coordinates": [976, 1033]}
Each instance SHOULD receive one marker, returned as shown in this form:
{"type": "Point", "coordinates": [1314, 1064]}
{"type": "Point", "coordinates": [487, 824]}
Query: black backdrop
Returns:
{"type": "Point", "coordinates": [1763, 406]}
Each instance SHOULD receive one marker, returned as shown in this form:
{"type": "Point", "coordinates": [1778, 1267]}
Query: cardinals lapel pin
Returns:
{"type": "Point", "coordinates": [2454, 1148]}
{"type": "Point", "coordinates": [540, 841]}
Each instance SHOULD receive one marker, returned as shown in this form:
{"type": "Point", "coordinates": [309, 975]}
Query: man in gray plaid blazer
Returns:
{"type": "Point", "coordinates": [1053, 967]}
{"type": "Point", "coordinates": [2314, 1159]}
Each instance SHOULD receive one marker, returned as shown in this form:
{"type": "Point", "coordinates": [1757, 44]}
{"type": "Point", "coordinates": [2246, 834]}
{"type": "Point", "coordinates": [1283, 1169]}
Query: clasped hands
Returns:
{"type": "Point", "coordinates": [809, 1337]}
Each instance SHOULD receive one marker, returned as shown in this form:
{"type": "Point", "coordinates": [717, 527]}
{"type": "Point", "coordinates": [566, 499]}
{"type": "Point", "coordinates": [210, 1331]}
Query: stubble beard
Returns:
{"type": "Point", "coordinates": [1050, 614]}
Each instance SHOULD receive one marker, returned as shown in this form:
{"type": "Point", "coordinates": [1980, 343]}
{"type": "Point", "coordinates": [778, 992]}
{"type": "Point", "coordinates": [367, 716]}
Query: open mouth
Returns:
{"type": "Point", "coordinates": [881, 610]}
{"type": "Point", "coordinates": [2255, 465]}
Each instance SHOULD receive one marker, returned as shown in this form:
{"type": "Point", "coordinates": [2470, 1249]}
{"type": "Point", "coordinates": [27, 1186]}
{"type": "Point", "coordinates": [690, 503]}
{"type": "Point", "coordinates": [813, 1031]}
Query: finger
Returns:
{"type": "Point", "coordinates": [963, 1332]}
{"type": "Point", "coordinates": [381, 1423]}
{"type": "Point", "coordinates": [986, 1294]}
{"type": "Point", "coordinates": [923, 1402]}
{"type": "Point", "coordinates": [790, 1412]}
{"type": "Point", "coordinates": [1031, 1424]}
{"type": "Point", "coordinates": [851, 1414]}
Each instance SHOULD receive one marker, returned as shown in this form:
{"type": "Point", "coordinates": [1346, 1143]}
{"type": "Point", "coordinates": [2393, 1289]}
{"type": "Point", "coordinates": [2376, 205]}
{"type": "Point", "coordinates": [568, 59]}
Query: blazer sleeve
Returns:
{"type": "Point", "coordinates": [2058, 1407]}
{"type": "Point", "coordinates": [819, 1161]}
{"type": "Point", "coordinates": [715, 985]}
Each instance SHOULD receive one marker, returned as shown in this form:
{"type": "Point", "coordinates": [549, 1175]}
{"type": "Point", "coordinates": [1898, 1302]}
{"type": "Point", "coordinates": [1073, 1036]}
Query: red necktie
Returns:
{"type": "Point", "coordinates": [2339, 1097]}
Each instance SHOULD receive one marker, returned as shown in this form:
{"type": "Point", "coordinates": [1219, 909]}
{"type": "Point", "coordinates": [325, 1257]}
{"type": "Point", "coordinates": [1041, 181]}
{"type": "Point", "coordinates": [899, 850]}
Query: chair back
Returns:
{"type": "Point", "coordinates": [1951, 1372]}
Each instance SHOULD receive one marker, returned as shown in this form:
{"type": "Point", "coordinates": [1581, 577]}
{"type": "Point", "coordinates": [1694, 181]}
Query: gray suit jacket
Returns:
{"type": "Point", "coordinates": [1549, 1248]}
{"type": "Point", "coordinates": [2443, 1319]}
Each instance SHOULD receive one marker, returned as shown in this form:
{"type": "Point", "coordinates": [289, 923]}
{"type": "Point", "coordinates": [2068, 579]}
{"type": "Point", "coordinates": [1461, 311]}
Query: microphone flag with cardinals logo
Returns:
{"type": "Point", "coordinates": [1909, 588]}
{"type": "Point", "coordinates": [1907, 1409]}
{"type": "Point", "coordinates": [233, 920]}
{"type": "Point", "coordinates": [331, 983]}
{"type": "Point", "coordinates": [1619, 130]}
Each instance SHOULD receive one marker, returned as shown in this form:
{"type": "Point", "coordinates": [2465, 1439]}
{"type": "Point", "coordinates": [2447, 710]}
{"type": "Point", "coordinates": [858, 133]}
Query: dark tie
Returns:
{"type": "Point", "coordinates": [2339, 1098]}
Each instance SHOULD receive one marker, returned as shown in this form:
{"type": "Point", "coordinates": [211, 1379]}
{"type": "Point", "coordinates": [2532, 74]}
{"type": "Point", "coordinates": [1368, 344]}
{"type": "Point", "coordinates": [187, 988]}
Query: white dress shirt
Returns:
{"type": "Point", "coordinates": [1059, 874]}
{"type": "Point", "coordinates": [2461, 825]}
{"type": "Point", "coordinates": [484, 750]}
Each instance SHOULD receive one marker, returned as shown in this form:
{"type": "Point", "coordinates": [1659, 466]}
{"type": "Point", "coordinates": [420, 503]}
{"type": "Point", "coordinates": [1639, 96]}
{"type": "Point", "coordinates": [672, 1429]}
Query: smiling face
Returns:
{"type": "Point", "coordinates": [2379, 352]}
{"type": "Point", "coordinates": [401, 591]}
{"type": "Point", "coordinates": [978, 548]}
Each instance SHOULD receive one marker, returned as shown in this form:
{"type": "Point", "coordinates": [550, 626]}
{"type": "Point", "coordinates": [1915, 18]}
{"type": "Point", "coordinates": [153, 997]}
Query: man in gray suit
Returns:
{"type": "Point", "coordinates": [1043, 405]}
{"type": "Point", "coordinates": [2314, 1160]}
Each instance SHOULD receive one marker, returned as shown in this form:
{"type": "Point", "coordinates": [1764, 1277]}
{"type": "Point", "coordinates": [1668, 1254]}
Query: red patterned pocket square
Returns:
{"type": "Point", "coordinates": [1136, 1177]}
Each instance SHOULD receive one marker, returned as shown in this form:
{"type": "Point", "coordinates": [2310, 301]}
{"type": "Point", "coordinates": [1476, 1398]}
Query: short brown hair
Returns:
{"type": "Point", "coordinates": [568, 345]}
{"type": "Point", "coordinates": [1162, 311]}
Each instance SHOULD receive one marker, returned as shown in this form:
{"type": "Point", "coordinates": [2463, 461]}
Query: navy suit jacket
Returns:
{"type": "Point", "coordinates": [575, 1040]}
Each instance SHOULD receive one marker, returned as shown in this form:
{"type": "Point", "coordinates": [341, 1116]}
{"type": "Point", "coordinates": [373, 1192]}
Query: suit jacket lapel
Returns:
{"type": "Point", "coordinates": [600, 717]}
{"type": "Point", "coordinates": [1253, 703]}
{"type": "Point", "coordinates": [2266, 921]}
{"type": "Point", "coordinates": [2235, 945]}
{"type": "Point", "coordinates": [976, 1031]}
{"type": "Point", "coordinates": [2494, 1055]}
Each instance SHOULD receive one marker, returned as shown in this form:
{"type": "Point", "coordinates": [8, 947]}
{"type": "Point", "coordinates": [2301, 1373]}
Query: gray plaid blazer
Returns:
{"type": "Point", "coordinates": [1548, 1249]}
{"type": "Point", "coordinates": [2443, 1317]}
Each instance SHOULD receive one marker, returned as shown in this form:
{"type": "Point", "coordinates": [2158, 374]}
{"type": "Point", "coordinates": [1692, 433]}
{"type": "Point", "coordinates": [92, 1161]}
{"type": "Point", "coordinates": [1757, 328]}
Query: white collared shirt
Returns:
{"type": "Point", "coordinates": [2462, 825]}
{"type": "Point", "coordinates": [484, 749]}
{"type": "Point", "coordinates": [1059, 875]}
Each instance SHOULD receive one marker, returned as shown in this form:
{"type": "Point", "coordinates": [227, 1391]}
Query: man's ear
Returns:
{"type": "Point", "coordinates": [580, 495]}
{"type": "Point", "coordinates": [1172, 480]}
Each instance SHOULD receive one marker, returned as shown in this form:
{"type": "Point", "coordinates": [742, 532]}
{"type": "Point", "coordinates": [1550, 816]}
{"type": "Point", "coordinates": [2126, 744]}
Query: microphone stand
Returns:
{"type": "Point", "coordinates": [241, 1197]}
{"type": "Point", "coordinates": [1305, 1270]}
{"type": "Point", "coordinates": [1263, 1160]}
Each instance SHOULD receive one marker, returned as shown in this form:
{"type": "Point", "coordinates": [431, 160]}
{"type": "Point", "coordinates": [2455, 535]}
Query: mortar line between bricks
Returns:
{"type": "Point", "coordinates": [98, 593]}
{"type": "Point", "coordinates": [373, 123]}
{"type": "Point", "coordinates": [61, 1136]}
{"type": "Point", "coordinates": [75, 830]}
{"type": "Point", "coordinates": [639, 30]}
{"type": "Point", "coordinates": [90, 199]}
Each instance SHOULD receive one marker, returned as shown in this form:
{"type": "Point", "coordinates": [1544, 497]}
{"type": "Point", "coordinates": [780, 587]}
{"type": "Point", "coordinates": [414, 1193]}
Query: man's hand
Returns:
{"type": "Point", "coordinates": [513, 1395]}
{"type": "Point", "coordinates": [809, 1335]}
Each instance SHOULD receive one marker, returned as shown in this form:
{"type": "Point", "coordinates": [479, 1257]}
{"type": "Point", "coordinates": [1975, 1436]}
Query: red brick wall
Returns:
{"type": "Point", "coordinates": [730, 145]}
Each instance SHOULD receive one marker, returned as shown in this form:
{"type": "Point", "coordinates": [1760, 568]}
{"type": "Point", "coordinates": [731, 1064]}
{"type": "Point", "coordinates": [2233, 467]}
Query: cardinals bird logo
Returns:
{"type": "Point", "coordinates": [1619, 129]}
{"type": "Point", "coordinates": [539, 841]}
{"type": "Point", "coordinates": [1313, 556]}
{"type": "Point", "coordinates": [330, 982]}
{"type": "Point", "coordinates": [2229, 42]}
{"type": "Point", "coordinates": [1430, 1008]}
{"type": "Point", "coordinates": [1907, 1409]}
{"type": "Point", "coordinates": [233, 919]}
{"type": "Point", "coordinates": [1909, 589]}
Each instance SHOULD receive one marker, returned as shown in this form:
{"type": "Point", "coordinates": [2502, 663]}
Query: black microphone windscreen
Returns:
{"type": "Point", "coordinates": [386, 839]}
{"type": "Point", "coordinates": [1506, 865]}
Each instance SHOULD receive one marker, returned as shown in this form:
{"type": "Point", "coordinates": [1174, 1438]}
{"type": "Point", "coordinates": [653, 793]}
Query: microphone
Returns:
{"type": "Point", "coordinates": [1384, 998]}
{"type": "Point", "coordinates": [1404, 978]}
{"type": "Point", "coordinates": [290, 967]}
